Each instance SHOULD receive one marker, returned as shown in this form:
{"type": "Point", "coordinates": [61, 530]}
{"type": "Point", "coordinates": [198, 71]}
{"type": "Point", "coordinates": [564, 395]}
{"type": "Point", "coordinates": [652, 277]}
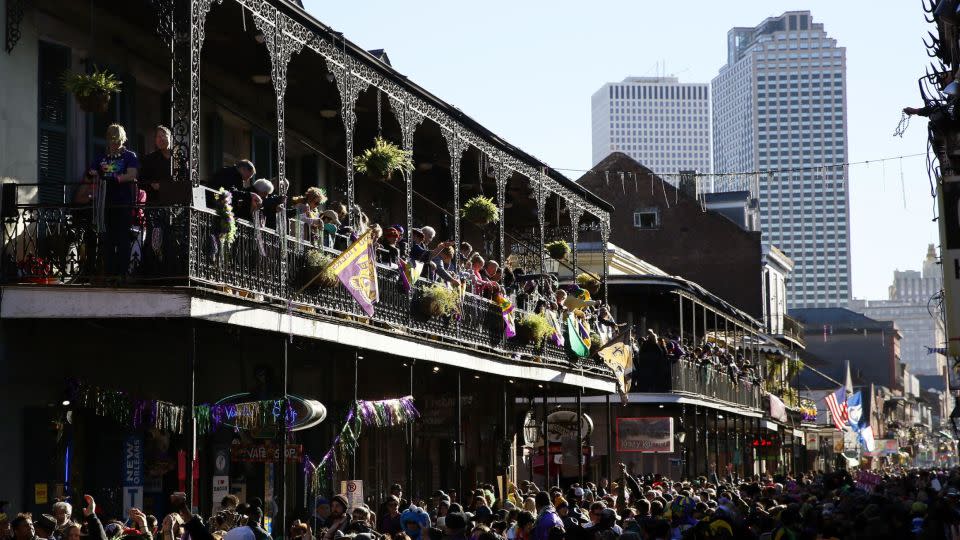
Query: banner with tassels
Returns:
{"type": "Point", "coordinates": [166, 416]}
{"type": "Point", "coordinates": [382, 413]}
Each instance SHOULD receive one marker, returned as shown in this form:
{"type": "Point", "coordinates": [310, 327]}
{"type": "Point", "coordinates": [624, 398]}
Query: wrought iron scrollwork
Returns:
{"type": "Point", "coordinates": [163, 14]}
{"type": "Point", "coordinates": [502, 175]}
{"type": "Point", "coordinates": [14, 17]}
{"type": "Point", "coordinates": [576, 212]}
{"type": "Point", "coordinates": [604, 240]}
{"type": "Point", "coordinates": [456, 147]}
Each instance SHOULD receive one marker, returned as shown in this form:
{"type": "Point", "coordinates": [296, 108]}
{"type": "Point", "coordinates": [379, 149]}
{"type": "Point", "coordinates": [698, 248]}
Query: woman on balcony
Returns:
{"type": "Point", "coordinates": [116, 170]}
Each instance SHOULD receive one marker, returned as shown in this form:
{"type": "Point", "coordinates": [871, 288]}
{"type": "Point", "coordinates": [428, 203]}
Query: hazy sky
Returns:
{"type": "Point", "coordinates": [526, 70]}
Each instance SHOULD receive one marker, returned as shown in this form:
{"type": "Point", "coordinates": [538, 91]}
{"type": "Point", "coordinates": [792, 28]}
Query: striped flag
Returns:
{"type": "Point", "coordinates": [837, 403]}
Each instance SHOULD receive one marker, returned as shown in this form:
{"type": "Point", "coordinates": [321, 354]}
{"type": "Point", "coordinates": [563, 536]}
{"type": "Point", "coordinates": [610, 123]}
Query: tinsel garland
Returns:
{"type": "Point", "coordinates": [166, 416]}
{"type": "Point", "coordinates": [382, 413]}
{"type": "Point", "coordinates": [228, 223]}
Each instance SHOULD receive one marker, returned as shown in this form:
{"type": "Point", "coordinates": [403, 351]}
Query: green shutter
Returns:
{"type": "Point", "coordinates": [53, 105]}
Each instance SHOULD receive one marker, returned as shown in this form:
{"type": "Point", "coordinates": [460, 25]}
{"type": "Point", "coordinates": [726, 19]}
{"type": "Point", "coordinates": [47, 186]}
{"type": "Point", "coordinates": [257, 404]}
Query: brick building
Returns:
{"type": "Point", "coordinates": [674, 231]}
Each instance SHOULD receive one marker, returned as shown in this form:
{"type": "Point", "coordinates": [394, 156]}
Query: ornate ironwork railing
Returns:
{"type": "Point", "coordinates": [690, 378]}
{"type": "Point", "coordinates": [71, 245]}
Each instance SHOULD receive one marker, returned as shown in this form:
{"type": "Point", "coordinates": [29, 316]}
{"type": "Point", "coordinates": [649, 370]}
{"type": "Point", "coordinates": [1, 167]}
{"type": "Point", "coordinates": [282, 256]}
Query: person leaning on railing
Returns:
{"type": "Point", "coordinates": [117, 169]}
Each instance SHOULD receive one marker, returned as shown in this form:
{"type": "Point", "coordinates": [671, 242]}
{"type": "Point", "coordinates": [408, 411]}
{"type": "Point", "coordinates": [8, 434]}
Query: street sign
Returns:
{"type": "Point", "coordinates": [353, 491]}
{"type": "Point", "coordinates": [132, 473]}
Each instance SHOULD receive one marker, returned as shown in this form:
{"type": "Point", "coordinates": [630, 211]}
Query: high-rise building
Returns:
{"type": "Point", "coordinates": [912, 307]}
{"type": "Point", "coordinates": [658, 121]}
{"type": "Point", "coordinates": [780, 103]}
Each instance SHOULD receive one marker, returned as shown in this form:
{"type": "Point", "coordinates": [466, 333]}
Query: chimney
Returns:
{"type": "Point", "coordinates": [688, 183]}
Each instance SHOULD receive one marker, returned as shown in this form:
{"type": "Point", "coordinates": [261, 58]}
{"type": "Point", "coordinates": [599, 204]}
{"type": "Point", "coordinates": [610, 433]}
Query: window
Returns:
{"type": "Point", "coordinates": [647, 218]}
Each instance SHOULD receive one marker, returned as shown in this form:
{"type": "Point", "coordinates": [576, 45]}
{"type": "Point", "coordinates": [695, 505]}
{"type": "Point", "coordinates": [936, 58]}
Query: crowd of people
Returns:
{"type": "Point", "coordinates": [907, 504]}
{"type": "Point", "coordinates": [123, 184]}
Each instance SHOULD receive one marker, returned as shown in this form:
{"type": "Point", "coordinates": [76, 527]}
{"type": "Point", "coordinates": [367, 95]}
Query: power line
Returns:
{"type": "Point", "coordinates": [821, 167]}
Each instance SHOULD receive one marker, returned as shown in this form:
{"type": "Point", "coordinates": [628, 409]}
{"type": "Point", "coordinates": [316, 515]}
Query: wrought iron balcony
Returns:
{"type": "Point", "coordinates": [793, 329]}
{"type": "Point", "coordinates": [684, 377]}
{"type": "Point", "coordinates": [60, 245]}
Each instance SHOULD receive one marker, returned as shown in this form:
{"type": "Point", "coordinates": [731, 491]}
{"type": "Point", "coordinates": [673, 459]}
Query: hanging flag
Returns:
{"type": "Point", "coordinates": [865, 436]}
{"type": "Point", "coordinates": [837, 404]}
{"type": "Point", "coordinates": [577, 346]}
{"type": "Point", "coordinates": [506, 308]}
{"type": "Point", "coordinates": [855, 410]}
{"type": "Point", "coordinates": [409, 273]}
{"type": "Point", "coordinates": [938, 350]}
{"type": "Point", "coordinates": [618, 355]}
{"type": "Point", "coordinates": [558, 330]}
{"type": "Point", "coordinates": [356, 268]}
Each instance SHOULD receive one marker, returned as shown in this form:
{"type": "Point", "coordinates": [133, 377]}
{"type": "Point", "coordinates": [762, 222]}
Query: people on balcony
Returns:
{"type": "Point", "coordinates": [306, 208]}
{"type": "Point", "coordinates": [116, 169]}
{"type": "Point", "coordinates": [155, 177]}
{"type": "Point", "coordinates": [259, 197]}
{"type": "Point", "coordinates": [331, 226]}
{"type": "Point", "coordinates": [234, 178]}
{"type": "Point", "coordinates": [389, 245]}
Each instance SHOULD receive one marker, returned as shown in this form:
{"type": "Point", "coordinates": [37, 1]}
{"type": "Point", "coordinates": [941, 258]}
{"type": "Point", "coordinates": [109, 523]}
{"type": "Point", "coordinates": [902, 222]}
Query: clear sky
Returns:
{"type": "Point", "coordinates": [526, 70]}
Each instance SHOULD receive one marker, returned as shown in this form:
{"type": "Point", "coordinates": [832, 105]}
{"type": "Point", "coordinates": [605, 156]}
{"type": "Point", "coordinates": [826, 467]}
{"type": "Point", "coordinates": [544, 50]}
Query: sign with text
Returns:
{"type": "Point", "coordinates": [264, 453]}
{"type": "Point", "coordinates": [353, 491]}
{"type": "Point", "coordinates": [648, 434]}
{"type": "Point", "coordinates": [221, 488]}
{"type": "Point", "coordinates": [132, 479]}
{"type": "Point", "coordinates": [867, 480]}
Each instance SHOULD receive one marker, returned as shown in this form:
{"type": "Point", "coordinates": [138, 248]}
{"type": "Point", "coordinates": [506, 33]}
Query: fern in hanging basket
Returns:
{"type": "Point", "coordinates": [481, 210]}
{"type": "Point", "coordinates": [438, 300]}
{"type": "Point", "coordinates": [589, 282]}
{"type": "Point", "coordinates": [92, 90]}
{"type": "Point", "coordinates": [316, 264]}
{"type": "Point", "coordinates": [533, 329]}
{"type": "Point", "coordinates": [383, 160]}
{"type": "Point", "coordinates": [558, 249]}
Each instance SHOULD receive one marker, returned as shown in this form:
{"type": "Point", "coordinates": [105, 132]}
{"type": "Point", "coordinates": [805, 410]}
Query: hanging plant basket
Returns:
{"type": "Point", "coordinates": [381, 161]}
{"type": "Point", "coordinates": [481, 210]}
{"type": "Point", "coordinates": [92, 90]}
{"type": "Point", "coordinates": [533, 329]}
{"type": "Point", "coordinates": [558, 250]}
{"type": "Point", "coordinates": [316, 270]}
{"type": "Point", "coordinates": [438, 300]}
{"type": "Point", "coordinates": [589, 282]}
{"type": "Point", "coordinates": [94, 103]}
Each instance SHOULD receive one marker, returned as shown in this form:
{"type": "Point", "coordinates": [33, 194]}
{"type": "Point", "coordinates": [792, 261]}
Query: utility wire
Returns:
{"type": "Point", "coordinates": [766, 171]}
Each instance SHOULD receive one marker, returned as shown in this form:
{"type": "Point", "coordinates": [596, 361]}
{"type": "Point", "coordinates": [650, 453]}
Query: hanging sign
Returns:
{"type": "Point", "coordinates": [948, 192]}
{"type": "Point", "coordinates": [565, 424]}
{"type": "Point", "coordinates": [648, 434]}
{"type": "Point", "coordinates": [132, 473]}
{"type": "Point", "coordinates": [264, 453]}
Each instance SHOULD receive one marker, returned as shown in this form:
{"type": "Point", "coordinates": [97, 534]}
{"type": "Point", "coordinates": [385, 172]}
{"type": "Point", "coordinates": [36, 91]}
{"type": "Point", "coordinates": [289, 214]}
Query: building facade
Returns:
{"type": "Point", "coordinates": [780, 103]}
{"type": "Point", "coordinates": [911, 306]}
{"type": "Point", "coordinates": [658, 121]}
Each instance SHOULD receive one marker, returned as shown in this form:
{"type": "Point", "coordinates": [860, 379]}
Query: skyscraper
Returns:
{"type": "Point", "coordinates": [780, 103]}
{"type": "Point", "coordinates": [658, 121]}
{"type": "Point", "coordinates": [911, 306]}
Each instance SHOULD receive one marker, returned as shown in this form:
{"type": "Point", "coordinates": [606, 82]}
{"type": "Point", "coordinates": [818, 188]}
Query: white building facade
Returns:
{"type": "Point", "coordinates": [911, 306]}
{"type": "Point", "coordinates": [658, 121]}
{"type": "Point", "coordinates": [780, 103]}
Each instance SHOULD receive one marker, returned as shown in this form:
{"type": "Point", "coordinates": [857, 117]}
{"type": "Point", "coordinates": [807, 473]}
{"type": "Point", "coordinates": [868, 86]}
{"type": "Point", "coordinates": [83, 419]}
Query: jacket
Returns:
{"type": "Point", "coordinates": [547, 520]}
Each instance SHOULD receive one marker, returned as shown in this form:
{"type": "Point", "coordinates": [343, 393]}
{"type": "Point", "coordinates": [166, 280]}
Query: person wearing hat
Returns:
{"type": "Point", "coordinates": [415, 523]}
{"type": "Point", "coordinates": [44, 526]}
{"type": "Point", "coordinates": [339, 518]}
{"type": "Point", "coordinates": [390, 242]}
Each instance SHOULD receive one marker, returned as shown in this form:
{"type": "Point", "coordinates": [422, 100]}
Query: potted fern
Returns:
{"type": "Point", "coordinates": [558, 250]}
{"type": "Point", "coordinates": [92, 90]}
{"type": "Point", "coordinates": [481, 210]}
{"type": "Point", "coordinates": [383, 160]}
{"type": "Point", "coordinates": [438, 300]}
{"type": "Point", "coordinates": [533, 329]}
{"type": "Point", "coordinates": [317, 265]}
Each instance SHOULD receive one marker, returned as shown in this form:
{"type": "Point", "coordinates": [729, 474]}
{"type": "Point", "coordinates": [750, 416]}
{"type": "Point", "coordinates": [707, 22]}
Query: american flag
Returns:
{"type": "Point", "coordinates": [837, 403]}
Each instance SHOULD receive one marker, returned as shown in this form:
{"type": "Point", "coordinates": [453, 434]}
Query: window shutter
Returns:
{"type": "Point", "coordinates": [53, 105]}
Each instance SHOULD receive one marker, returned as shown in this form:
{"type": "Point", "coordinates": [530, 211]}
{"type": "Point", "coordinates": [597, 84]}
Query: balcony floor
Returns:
{"type": "Point", "coordinates": [66, 302]}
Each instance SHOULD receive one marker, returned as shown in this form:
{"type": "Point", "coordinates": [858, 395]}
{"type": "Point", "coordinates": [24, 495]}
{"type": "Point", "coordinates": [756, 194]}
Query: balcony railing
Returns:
{"type": "Point", "coordinates": [684, 377]}
{"type": "Point", "coordinates": [793, 329]}
{"type": "Point", "coordinates": [63, 245]}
